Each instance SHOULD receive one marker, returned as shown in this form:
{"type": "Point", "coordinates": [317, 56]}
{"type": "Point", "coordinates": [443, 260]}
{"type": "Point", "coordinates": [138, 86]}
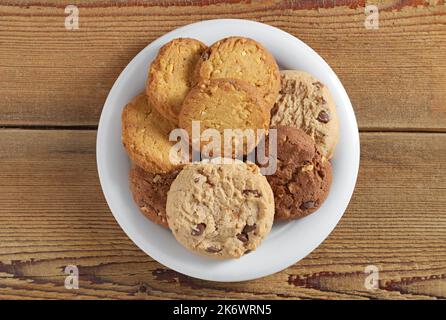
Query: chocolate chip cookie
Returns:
{"type": "Point", "coordinates": [150, 192]}
{"type": "Point", "coordinates": [245, 59]}
{"type": "Point", "coordinates": [220, 210]}
{"type": "Point", "coordinates": [170, 75]}
{"type": "Point", "coordinates": [303, 176]}
{"type": "Point", "coordinates": [306, 103]}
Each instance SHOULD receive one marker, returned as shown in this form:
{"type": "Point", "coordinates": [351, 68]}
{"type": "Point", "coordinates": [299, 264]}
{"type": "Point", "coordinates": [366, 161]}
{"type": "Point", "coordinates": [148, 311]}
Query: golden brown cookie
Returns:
{"type": "Point", "coordinates": [150, 192]}
{"type": "Point", "coordinates": [225, 104]}
{"type": "Point", "coordinates": [145, 136]}
{"type": "Point", "coordinates": [306, 103]}
{"type": "Point", "coordinates": [245, 59]}
{"type": "Point", "coordinates": [170, 75]}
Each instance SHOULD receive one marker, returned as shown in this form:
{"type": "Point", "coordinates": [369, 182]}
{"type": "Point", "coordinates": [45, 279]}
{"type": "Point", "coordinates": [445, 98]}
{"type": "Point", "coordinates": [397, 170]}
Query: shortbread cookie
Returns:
{"type": "Point", "coordinates": [220, 210]}
{"type": "Point", "coordinates": [303, 176]}
{"type": "Point", "coordinates": [304, 102]}
{"type": "Point", "coordinates": [225, 104]}
{"type": "Point", "coordinates": [170, 75]}
{"type": "Point", "coordinates": [145, 135]}
{"type": "Point", "coordinates": [150, 192]}
{"type": "Point", "coordinates": [245, 59]}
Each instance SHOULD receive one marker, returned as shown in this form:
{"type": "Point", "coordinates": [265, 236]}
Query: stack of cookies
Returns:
{"type": "Point", "coordinates": [220, 206]}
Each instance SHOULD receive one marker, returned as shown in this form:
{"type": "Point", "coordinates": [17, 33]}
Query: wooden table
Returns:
{"type": "Point", "coordinates": [53, 83]}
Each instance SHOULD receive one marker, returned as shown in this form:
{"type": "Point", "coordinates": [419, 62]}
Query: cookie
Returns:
{"type": "Point", "coordinates": [245, 59]}
{"type": "Point", "coordinates": [220, 210]}
{"type": "Point", "coordinates": [150, 192]}
{"type": "Point", "coordinates": [225, 104]}
{"type": "Point", "coordinates": [303, 176]}
{"type": "Point", "coordinates": [145, 136]}
{"type": "Point", "coordinates": [304, 102]}
{"type": "Point", "coordinates": [170, 75]}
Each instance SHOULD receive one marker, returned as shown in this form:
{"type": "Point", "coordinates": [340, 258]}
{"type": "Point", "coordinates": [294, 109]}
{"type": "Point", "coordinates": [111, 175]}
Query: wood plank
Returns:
{"type": "Point", "coordinates": [53, 214]}
{"type": "Point", "coordinates": [52, 76]}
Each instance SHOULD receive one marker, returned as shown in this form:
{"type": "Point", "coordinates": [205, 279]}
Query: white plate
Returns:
{"type": "Point", "coordinates": [287, 242]}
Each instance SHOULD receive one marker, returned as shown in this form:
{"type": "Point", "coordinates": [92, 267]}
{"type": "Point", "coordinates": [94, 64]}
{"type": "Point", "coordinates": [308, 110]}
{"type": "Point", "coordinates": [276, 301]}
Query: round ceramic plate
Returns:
{"type": "Point", "coordinates": [288, 242]}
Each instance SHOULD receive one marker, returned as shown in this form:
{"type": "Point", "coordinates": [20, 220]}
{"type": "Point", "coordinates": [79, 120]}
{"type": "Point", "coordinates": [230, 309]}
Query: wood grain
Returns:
{"type": "Point", "coordinates": [395, 76]}
{"type": "Point", "coordinates": [53, 214]}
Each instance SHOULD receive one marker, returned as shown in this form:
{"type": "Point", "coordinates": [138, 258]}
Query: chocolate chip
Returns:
{"type": "Point", "coordinates": [213, 249]}
{"type": "Point", "coordinates": [249, 228]}
{"type": "Point", "coordinates": [307, 205]}
{"type": "Point", "coordinates": [323, 117]}
{"type": "Point", "coordinates": [321, 174]}
{"type": "Point", "coordinates": [255, 193]}
{"type": "Point", "coordinates": [199, 228]}
{"type": "Point", "coordinates": [248, 251]}
{"type": "Point", "coordinates": [243, 237]}
{"type": "Point", "coordinates": [196, 180]}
